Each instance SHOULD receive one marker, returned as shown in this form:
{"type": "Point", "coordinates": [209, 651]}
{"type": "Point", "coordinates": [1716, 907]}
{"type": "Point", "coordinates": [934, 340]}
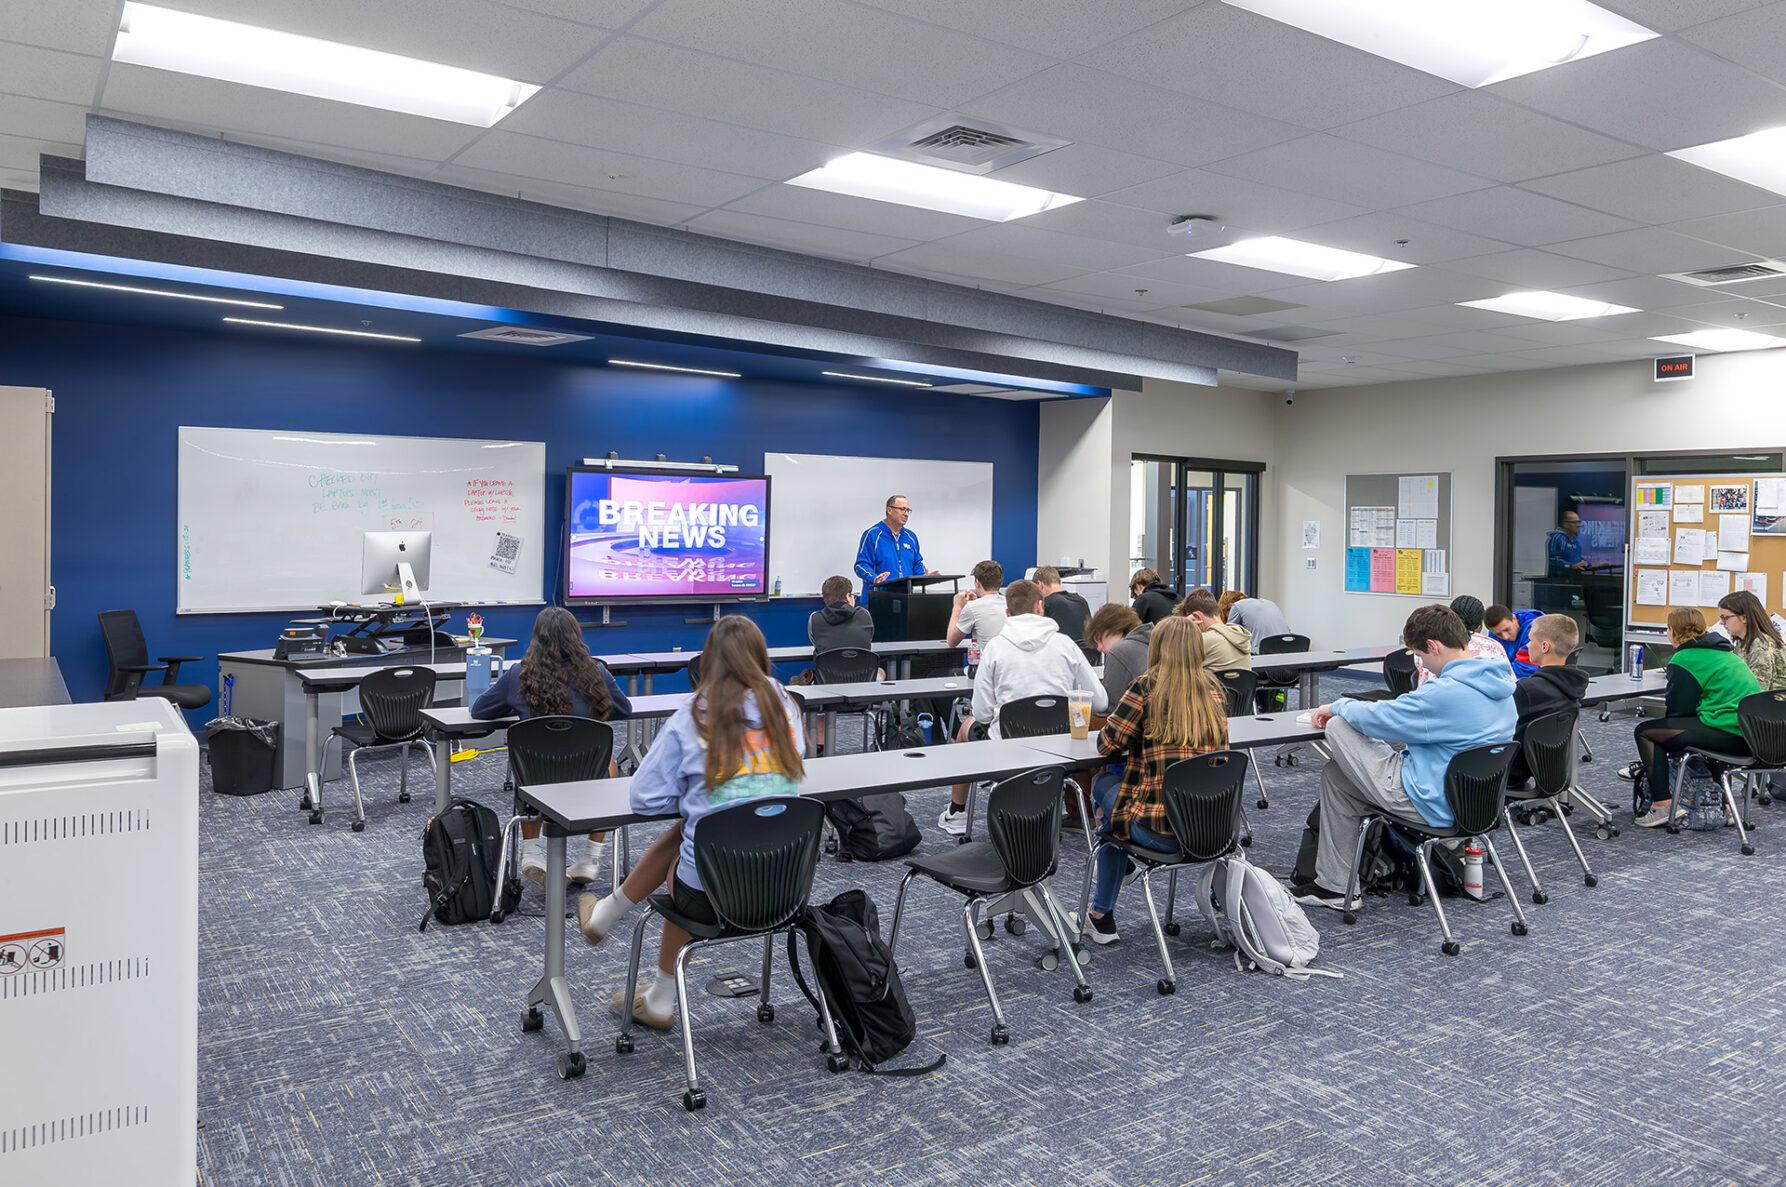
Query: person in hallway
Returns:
{"type": "Point", "coordinates": [1563, 546]}
{"type": "Point", "coordinates": [1069, 611]}
{"type": "Point", "coordinates": [1154, 599]}
{"type": "Point", "coordinates": [1514, 631]}
{"type": "Point", "coordinates": [1260, 616]}
{"type": "Point", "coordinates": [1469, 702]}
{"type": "Point", "coordinates": [556, 676]}
{"type": "Point", "coordinates": [889, 550]}
{"type": "Point", "coordinates": [1225, 645]}
{"type": "Point", "coordinates": [1556, 685]}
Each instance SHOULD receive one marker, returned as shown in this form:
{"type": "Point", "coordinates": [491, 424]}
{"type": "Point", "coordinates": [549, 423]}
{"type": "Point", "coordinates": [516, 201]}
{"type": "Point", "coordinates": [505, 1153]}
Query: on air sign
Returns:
{"type": "Point", "coordinates": [1674, 366]}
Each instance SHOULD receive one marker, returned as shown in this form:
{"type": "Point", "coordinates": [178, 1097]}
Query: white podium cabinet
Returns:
{"type": "Point", "coordinates": [98, 945]}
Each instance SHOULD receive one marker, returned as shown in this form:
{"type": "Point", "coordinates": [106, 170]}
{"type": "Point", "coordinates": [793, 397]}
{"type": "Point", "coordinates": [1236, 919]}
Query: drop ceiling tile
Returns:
{"type": "Point", "coordinates": [40, 119]}
{"type": "Point", "coordinates": [1379, 235]}
{"type": "Point", "coordinates": [672, 79]}
{"type": "Point", "coordinates": [85, 28]}
{"type": "Point", "coordinates": [1759, 233]}
{"type": "Point", "coordinates": [1057, 28]}
{"type": "Point", "coordinates": [1246, 61]}
{"type": "Point", "coordinates": [1755, 39]}
{"type": "Point", "coordinates": [1114, 286]}
{"type": "Point", "coordinates": [1665, 16]}
{"type": "Point", "coordinates": [1031, 243]}
{"type": "Point", "coordinates": [1622, 94]}
{"type": "Point", "coordinates": [551, 160]}
{"type": "Point", "coordinates": [603, 14]}
{"type": "Point", "coordinates": [867, 48]}
{"type": "Point", "coordinates": [1595, 330]}
{"type": "Point", "coordinates": [1516, 216]}
{"type": "Point", "coordinates": [1350, 172]}
{"type": "Point", "coordinates": [1086, 170]}
{"type": "Point", "coordinates": [1654, 189]}
{"type": "Point", "coordinates": [19, 154]}
{"type": "Point", "coordinates": [1646, 292]}
{"type": "Point", "coordinates": [1259, 208]}
{"type": "Point", "coordinates": [798, 204]}
{"type": "Point", "coordinates": [1564, 356]}
{"type": "Point", "coordinates": [1433, 370]}
{"type": "Point", "coordinates": [830, 242]}
{"type": "Point", "coordinates": [1647, 250]}
{"type": "Point", "coordinates": [1215, 279]}
{"type": "Point", "coordinates": [48, 74]}
{"type": "Point", "coordinates": [1480, 133]}
{"type": "Point", "coordinates": [957, 263]}
{"type": "Point", "coordinates": [1386, 293]}
{"type": "Point", "coordinates": [1731, 312]}
{"type": "Point", "coordinates": [1529, 268]}
{"type": "Point", "coordinates": [1455, 346]}
{"type": "Point", "coordinates": [1246, 306]}
{"type": "Point", "coordinates": [1095, 219]}
{"type": "Point", "coordinates": [572, 197]}
{"type": "Point", "coordinates": [1091, 107]}
{"type": "Point", "coordinates": [1378, 327]}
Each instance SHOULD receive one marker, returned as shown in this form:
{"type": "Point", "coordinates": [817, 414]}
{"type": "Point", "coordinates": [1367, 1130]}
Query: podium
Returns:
{"type": "Point", "coordinates": [910, 608]}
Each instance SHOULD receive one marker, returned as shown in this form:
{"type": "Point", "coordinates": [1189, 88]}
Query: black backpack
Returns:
{"type": "Point", "coordinates": [873, 828]}
{"type": "Point", "coordinates": [857, 974]}
{"type": "Point", "coordinates": [460, 851]}
{"type": "Point", "coordinates": [1377, 872]}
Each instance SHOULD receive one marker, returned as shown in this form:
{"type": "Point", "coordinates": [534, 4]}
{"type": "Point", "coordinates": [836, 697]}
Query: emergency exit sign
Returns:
{"type": "Point", "coordinates": [1674, 366]}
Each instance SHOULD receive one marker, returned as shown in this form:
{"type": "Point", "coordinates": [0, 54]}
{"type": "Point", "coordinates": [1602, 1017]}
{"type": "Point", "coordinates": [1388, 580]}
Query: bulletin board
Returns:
{"type": "Point", "coordinates": [1695, 538]}
{"type": "Point", "coordinates": [1398, 535]}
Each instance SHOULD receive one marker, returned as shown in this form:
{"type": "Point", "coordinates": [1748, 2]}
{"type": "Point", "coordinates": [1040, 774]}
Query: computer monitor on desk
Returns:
{"type": "Point", "coordinates": [396, 562]}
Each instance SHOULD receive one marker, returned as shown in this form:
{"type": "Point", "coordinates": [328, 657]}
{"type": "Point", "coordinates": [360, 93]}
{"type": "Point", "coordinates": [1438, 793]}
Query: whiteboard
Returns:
{"type": "Point", "coordinates": [274, 520]}
{"type": "Point", "coordinates": [820, 504]}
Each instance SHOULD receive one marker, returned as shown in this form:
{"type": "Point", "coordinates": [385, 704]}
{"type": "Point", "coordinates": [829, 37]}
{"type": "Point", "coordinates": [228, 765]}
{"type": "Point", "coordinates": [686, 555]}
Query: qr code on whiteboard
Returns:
{"type": "Point", "coordinates": [507, 555]}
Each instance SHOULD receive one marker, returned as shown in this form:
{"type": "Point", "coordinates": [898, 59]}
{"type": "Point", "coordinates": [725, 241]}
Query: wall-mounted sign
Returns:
{"type": "Point", "coordinates": [1674, 366]}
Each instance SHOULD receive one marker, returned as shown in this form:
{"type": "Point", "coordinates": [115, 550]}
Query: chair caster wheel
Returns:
{"type": "Point", "coordinates": [531, 1020]}
{"type": "Point", "coordinates": [1604, 834]}
{"type": "Point", "coordinates": [623, 1044]}
{"type": "Point", "coordinates": [1172, 929]}
{"type": "Point", "coordinates": [1263, 804]}
{"type": "Point", "coordinates": [403, 797]}
{"type": "Point", "coordinates": [968, 960]}
{"type": "Point", "coordinates": [497, 914]}
{"type": "Point", "coordinates": [845, 858]}
{"type": "Point", "coordinates": [1519, 929]}
{"type": "Point", "coordinates": [837, 1063]}
{"type": "Point", "coordinates": [359, 826]}
{"type": "Point", "coordinates": [1246, 842]}
{"type": "Point", "coordinates": [1000, 1036]}
{"type": "Point", "coordinates": [1451, 948]}
{"type": "Point", "coordinates": [571, 1065]}
{"type": "Point", "coordinates": [304, 802]}
{"type": "Point", "coordinates": [962, 840]}
{"type": "Point", "coordinates": [1673, 830]}
{"type": "Point", "coordinates": [1348, 917]}
{"type": "Point", "coordinates": [1015, 925]}
{"type": "Point", "coordinates": [1048, 961]}
{"type": "Point", "coordinates": [1082, 994]}
{"type": "Point", "coordinates": [1539, 897]}
{"type": "Point", "coordinates": [1415, 900]}
{"type": "Point", "coordinates": [1289, 760]}
{"type": "Point", "coordinates": [1082, 953]}
{"type": "Point", "coordinates": [316, 816]}
{"type": "Point", "coordinates": [983, 929]}
{"type": "Point", "coordinates": [765, 1013]}
{"type": "Point", "coordinates": [1764, 800]}
{"type": "Point", "coordinates": [1748, 850]}
{"type": "Point", "coordinates": [1590, 880]}
{"type": "Point", "coordinates": [694, 1099]}
{"type": "Point", "coordinates": [830, 844]}
{"type": "Point", "coordinates": [1166, 988]}
{"type": "Point", "coordinates": [1278, 761]}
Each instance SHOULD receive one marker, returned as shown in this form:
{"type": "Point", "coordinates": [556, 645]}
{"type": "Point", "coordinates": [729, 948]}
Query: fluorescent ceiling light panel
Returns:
{"type": "Point", "coordinates": [1755, 158]}
{"type": "Point", "coordinates": [188, 44]}
{"type": "Point", "coordinates": [128, 288]}
{"type": "Point", "coordinates": [1722, 340]}
{"type": "Point", "coordinates": [679, 370]}
{"type": "Point", "coordinates": [1274, 253]}
{"type": "Point", "coordinates": [865, 175]}
{"type": "Point", "coordinates": [1471, 42]}
{"type": "Point", "coordinates": [1549, 306]}
{"type": "Point", "coordinates": [877, 379]}
{"type": "Point", "coordinates": [286, 325]}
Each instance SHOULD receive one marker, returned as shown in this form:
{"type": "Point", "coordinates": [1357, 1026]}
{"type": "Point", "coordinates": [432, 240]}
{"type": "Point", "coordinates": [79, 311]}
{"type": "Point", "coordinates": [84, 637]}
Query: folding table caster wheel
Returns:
{"type": "Point", "coordinates": [694, 1099]}
{"type": "Point", "coordinates": [316, 816]}
{"type": "Point", "coordinates": [837, 1063]}
{"type": "Point", "coordinates": [1000, 1036]}
{"type": "Point", "coordinates": [1519, 929]}
{"type": "Point", "coordinates": [1166, 988]}
{"type": "Point", "coordinates": [1539, 897]}
{"type": "Point", "coordinates": [1748, 850]}
{"type": "Point", "coordinates": [845, 858]}
{"type": "Point", "coordinates": [531, 1020]}
{"type": "Point", "coordinates": [968, 961]}
{"type": "Point", "coordinates": [1082, 994]}
{"type": "Point", "coordinates": [1015, 925]}
{"type": "Point", "coordinates": [359, 826]}
{"type": "Point", "coordinates": [304, 802]}
{"type": "Point", "coordinates": [1246, 842]}
{"type": "Point", "coordinates": [831, 844]}
{"type": "Point", "coordinates": [403, 797]}
{"type": "Point", "coordinates": [765, 1013]}
{"type": "Point", "coordinates": [1451, 947]}
{"type": "Point", "coordinates": [1172, 928]}
{"type": "Point", "coordinates": [1263, 804]}
{"type": "Point", "coordinates": [1590, 879]}
{"type": "Point", "coordinates": [623, 1044]}
{"type": "Point", "coordinates": [1348, 917]}
{"type": "Point", "coordinates": [571, 1065]}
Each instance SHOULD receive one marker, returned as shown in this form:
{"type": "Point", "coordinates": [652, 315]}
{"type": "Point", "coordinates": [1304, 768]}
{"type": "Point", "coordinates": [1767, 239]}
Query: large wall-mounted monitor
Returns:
{"type": "Point", "coordinates": [652, 535]}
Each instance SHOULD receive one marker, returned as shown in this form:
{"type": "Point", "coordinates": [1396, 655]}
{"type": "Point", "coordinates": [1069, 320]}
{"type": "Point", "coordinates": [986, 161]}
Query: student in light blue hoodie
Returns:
{"type": "Point", "coordinates": [1469, 702]}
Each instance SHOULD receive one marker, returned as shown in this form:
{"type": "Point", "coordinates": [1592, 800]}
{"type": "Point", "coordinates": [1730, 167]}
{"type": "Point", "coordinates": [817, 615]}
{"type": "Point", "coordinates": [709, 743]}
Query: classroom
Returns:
{"type": "Point", "coordinates": [879, 591]}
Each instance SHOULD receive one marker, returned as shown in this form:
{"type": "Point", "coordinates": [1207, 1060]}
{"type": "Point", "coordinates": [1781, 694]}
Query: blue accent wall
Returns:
{"type": "Point", "coordinates": [123, 391]}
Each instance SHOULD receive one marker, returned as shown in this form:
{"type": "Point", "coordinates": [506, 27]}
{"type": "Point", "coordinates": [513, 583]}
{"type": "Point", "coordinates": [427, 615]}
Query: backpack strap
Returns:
{"type": "Point", "coordinates": [440, 900]}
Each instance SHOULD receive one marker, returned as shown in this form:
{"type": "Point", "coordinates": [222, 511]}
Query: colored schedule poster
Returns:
{"type": "Point", "coordinates": [1358, 570]}
{"type": "Point", "coordinates": [1382, 570]}
{"type": "Point", "coordinates": [1407, 570]}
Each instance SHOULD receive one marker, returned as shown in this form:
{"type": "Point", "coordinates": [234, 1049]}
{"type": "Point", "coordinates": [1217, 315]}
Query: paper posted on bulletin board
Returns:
{"type": "Point", "coordinates": [1398, 535]}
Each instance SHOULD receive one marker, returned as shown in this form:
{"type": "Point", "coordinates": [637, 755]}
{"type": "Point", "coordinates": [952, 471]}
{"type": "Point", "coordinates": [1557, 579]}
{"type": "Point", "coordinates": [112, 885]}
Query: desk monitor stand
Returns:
{"type": "Point", "coordinates": [406, 582]}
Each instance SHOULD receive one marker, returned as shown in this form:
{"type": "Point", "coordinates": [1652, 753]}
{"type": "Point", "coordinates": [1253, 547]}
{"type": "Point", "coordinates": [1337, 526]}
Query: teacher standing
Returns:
{"type": "Point", "coordinates": [889, 550]}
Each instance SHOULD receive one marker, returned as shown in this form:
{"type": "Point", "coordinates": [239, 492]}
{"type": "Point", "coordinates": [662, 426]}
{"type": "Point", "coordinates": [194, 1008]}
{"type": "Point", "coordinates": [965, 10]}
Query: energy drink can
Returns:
{"type": "Point", "coordinates": [1634, 661]}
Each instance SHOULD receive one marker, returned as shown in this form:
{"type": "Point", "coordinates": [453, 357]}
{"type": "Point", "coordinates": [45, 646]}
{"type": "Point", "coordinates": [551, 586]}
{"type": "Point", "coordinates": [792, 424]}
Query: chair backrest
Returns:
{"type": "Point", "coordinates": [1762, 718]}
{"type": "Point", "coordinates": [756, 858]}
{"type": "Point", "coordinates": [559, 749]}
{"type": "Point", "coordinates": [1023, 816]}
{"type": "Point", "coordinates": [1283, 644]}
{"type": "Point", "coordinates": [1033, 717]}
{"type": "Point", "coordinates": [124, 647]}
{"type": "Point", "coordinates": [846, 665]}
{"type": "Point", "coordinates": [694, 671]}
{"type": "Point", "coordinates": [1202, 798]}
{"type": "Point", "coordinates": [393, 699]}
{"type": "Point", "coordinates": [1238, 687]}
{"type": "Point", "coordinates": [1549, 747]}
{"type": "Point", "coordinates": [1476, 786]}
{"type": "Point", "coordinates": [1574, 660]}
{"type": "Point", "coordinates": [1401, 672]}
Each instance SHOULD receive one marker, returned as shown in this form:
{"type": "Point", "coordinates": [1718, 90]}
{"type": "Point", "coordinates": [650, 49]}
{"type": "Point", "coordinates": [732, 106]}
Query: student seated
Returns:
{"type": "Point", "coordinates": [1120, 635]}
{"type": "Point", "coordinates": [1173, 710]}
{"type": "Point", "coordinates": [1469, 702]}
{"type": "Point", "coordinates": [1029, 658]}
{"type": "Point", "coordinates": [556, 676]}
{"type": "Point", "coordinates": [1705, 680]}
{"type": "Point", "coordinates": [1513, 631]}
{"type": "Point", "coordinates": [738, 738]}
{"type": "Point", "coordinates": [1553, 688]}
{"type": "Point", "coordinates": [841, 623]}
{"type": "Point", "coordinates": [1154, 599]}
{"type": "Point", "coordinates": [978, 614]}
{"type": "Point", "coordinates": [1754, 637]}
{"type": "Point", "coordinates": [1482, 644]}
{"type": "Point", "coordinates": [1259, 616]}
{"type": "Point", "coordinates": [1069, 611]}
{"type": "Point", "coordinates": [1225, 645]}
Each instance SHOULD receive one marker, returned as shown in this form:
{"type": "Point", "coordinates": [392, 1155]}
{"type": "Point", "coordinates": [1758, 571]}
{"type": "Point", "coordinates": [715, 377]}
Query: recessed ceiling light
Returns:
{"type": "Point", "coordinates": [1471, 42]}
{"type": "Point", "coordinates": [1549, 306]}
{"type": "Point", "coordinates": [681, 370]}
{"type": "Point", "coordinates": [1755, 158]}
{"type": "Point", "coordinates": [877, 379]}
{"type": "Point", "coordinates": [286, 325]}
{"type": "Point", "coordinates": [189, 44]}
{"type": "Point", "coordinates": [865, 175]}
{"type": "Point", "coordinates": [127, 288]}
{"type": "Point", "coordinates": [1723, 340]}
{"type": "Point", "coordinates": [1274, 253]}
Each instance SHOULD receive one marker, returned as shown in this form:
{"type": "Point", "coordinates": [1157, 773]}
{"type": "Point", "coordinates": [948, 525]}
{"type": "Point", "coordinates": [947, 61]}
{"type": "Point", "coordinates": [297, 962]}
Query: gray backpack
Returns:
{"type": "Point", "coordinates": [1253, 913]}
{"type": "Point", "coordinates": [1701, 806]}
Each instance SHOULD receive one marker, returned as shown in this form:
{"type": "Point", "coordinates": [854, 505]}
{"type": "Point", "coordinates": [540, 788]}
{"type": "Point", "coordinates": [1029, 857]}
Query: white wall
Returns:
{"type": "Point", "coordinates": [1073, 512]}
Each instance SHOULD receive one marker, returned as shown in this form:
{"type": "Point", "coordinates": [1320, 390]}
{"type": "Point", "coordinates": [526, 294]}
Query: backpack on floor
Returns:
{"type": "Point", "coordinates": [873, 828]}
{"type": "Point", "coordinates": [1254, 914]}
{"type": "Point", "coordinates": [1377, 873]}
{"type": "Point", "coordinates": [1447, 866]}
{"type": "Point", "coordinates": [1701, 804]}
{"type": "Point", "coordinates": [460, 850]}
{"type": "Point", "coordinates": [856, 972]}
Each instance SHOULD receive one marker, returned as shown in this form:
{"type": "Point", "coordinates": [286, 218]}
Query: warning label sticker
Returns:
{"type": "Point", "coordinates": [32, 951]}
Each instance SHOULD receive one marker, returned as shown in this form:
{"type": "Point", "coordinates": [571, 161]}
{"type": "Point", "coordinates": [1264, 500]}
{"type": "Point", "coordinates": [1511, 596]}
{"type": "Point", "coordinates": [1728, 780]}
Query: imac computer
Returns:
{"type": "Point", "coordinates": [396, 562]}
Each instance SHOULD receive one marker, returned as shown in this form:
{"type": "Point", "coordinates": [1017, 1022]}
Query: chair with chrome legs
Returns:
{"type": "Point", "coordinates": [1037, 717]}
{"type": "Point", "coordinates": [847, 665]}
{"type": "Point", "coordinates": [1240, 686]}
{"type": "Point", "coordinates": [392, 700]}
{"type": "Point", "coordinates": [1023, 816]}
{"type": "Point", "coordinates": [552, 749]}
{"type": "Point", "coordinates": [1274, 685]}
{"type": "Point", "coordinates": [756, 859]}
{"type": "Point", "coordinates": [1476, 790]}
{"type": "Point", "coordinates": [1761, 716]}
{"type": "Point", "coordinates": [1549, 747]}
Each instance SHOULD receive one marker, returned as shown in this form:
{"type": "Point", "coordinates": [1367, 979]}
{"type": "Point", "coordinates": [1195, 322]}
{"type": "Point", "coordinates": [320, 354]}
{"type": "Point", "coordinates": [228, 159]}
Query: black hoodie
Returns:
{"type": "Point", "coordinates": [1155, 603]}
{"type": "Point", "coordinates": [1548, 690]}
{"type": "Point", "coordinates": [840, 625]}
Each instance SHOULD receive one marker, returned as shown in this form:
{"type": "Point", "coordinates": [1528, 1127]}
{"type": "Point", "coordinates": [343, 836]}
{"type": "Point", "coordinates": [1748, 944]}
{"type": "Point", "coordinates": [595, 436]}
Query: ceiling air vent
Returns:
{"type": "Point", "coordinates": [970, 146]}
{"type": "Point", "coordinates": [1734, 274]}
{"type": "Point", "coordinates": [525, 336]}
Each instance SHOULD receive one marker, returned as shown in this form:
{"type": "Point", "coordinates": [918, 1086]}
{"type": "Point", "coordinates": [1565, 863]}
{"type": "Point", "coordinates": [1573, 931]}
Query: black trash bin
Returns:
{"type": "Point", "coordinates": [242, 752]}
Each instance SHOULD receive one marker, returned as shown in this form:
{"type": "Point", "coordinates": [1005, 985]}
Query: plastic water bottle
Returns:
{"type": "Point", "coordinates": [778, 587]}
{"type": "Point", "coordinates": [1473, 870]}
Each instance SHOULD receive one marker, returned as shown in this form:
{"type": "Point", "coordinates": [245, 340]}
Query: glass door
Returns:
{"type": "Point", "coordinates": [1194, 522]}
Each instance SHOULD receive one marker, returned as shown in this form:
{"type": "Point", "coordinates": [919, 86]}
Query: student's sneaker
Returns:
{"type": "Point", "coordinates": [589, 866]}
{"type": "Point", "coordinates": [1101, 930]}
{"type": "Point", "coordinates": [641, 1012]}
{"type": "Point", "coordinates": [533, 860]}
{"type": "Point", "coordinates": [1313, 894]}
{"type": "Point", "coordinates": [1629, 771]}
{"type": "Point", "coordinates": [953, 821]}
{"type": "Point", "coordinates": [1656, 817]}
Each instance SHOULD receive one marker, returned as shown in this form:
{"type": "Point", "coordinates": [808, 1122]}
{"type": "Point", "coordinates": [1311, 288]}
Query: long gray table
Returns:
{"type": "Point", "coordinates": [900, 654]}
{"type": "Point", "coordinates": [1310, 665]}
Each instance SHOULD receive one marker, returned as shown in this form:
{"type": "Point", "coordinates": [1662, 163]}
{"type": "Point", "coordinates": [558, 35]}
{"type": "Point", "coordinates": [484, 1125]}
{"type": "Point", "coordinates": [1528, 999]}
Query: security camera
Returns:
{"type": "Point", "coordinates": [1289, 395]}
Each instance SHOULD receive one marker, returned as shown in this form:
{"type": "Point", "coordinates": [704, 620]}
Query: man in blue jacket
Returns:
{"type": "Point", "coordinates": [1514, 630]}
{"type": "Point", "coordinates": [889, 549]}
{"type": "Point", "coordinates": [1469, 702]}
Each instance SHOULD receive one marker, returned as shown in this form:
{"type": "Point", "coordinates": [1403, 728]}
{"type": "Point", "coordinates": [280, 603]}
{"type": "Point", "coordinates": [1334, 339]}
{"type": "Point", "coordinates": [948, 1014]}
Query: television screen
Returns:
{"type": "Point", "coordinates": [1602, 534]}
{"type": "Point", "coordinates": [665, 536]}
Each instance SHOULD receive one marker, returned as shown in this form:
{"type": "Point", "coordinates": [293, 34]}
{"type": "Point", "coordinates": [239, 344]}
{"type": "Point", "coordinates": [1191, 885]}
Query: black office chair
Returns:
{"type": "Point", "coordinates": [1202, 799]}
{"type": "Point", "coordinates": [1034, 717]}
{"type": "Point", "coordinates": [1274, 686]}
{"type": "Point", "coordinates": [392, 700]}
{"type": "Point", "coordinates": [552, 749]}
{"type": "Point", "coordinates": [1546, 747]}
{"type": "Point", "coordinates": [848, 665]}
{"type": "Point", "coordinates": [1023, 816]}
{"type": "Point", "coordinates": [1240, 687]}
{"type": "Point", "coordinates": [127, 655]}
{"type": "Point", "coordinates": [1761, 716]}
{"type": "Point", "coordinates": [1476, 790]}
{"type": "Point", "coordinates": [694, 671]}
{"type": "Point", "coordinates": [756, 860]}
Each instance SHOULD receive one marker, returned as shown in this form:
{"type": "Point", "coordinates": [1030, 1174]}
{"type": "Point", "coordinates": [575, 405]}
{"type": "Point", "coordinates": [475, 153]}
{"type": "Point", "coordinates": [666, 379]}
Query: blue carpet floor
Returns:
{"type": "Point", "coordinates": [1636, 1036]}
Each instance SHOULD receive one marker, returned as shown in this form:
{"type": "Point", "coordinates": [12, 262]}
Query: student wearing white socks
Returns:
{"type": "Point", "coordinates": [739, 738]}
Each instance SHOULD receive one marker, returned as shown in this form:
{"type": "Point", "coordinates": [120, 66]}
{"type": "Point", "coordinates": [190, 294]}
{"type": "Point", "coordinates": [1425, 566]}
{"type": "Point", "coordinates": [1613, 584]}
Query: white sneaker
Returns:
{"type": "Point", "coordinates": [533, 860]}
{"type": "Point", "coordinates": [953, 823]}
{"type": "Point", "coordinates": [589, 866]}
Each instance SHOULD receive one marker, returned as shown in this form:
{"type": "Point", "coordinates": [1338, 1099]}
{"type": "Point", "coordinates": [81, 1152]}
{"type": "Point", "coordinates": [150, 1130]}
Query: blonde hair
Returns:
{"type": "Point", "coordinates": [1685, 624]}
{"type": "Point", "coordinates": [1184, 706]}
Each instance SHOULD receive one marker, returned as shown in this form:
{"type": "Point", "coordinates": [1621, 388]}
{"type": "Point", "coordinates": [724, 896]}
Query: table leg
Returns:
{"type": "Point", "coordinates": [312, 755]}
{"type": "Point", "coordinates": [443, 773]}
{"type": "Point", "coordinates": [647, 683]}
{"type": "Point", "coordinates": [552, 989]}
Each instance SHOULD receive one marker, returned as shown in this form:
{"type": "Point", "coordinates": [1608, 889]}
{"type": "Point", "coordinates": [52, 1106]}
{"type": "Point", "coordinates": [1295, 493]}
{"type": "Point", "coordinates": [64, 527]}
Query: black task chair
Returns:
{"type": "Point", "coordinates": [1476, 790]}
{"type": "Point", "coordinates": [848, 665]}
{"type": "Point", "coordinates": [553, 749]}
{"type": "Point", "coordinates": [1023, 817]}
{"type": "Point", "coordinates": [1036, 717]}
{"type": "Point", "coordinates": [756, 860]}
{"type": "Point", "coordinates": [1240, 687]}
{"type": "Point", "coordinates": [1401, 675]}
{"type": "Point", "coordinates": [1761, 716]}
{"type": "Point", "coordinates": [127, 655]}
{"type": "Point", "coordinates": [694, 670]}
{"type": "Point", "coordinates": [392, 700]}
{"type": "Point", "coordinates": [1274, 686]}
{"type": "Point", "coordinates": [1202, 799]}
{"type": "Point", "coordinates": [1548, 748]}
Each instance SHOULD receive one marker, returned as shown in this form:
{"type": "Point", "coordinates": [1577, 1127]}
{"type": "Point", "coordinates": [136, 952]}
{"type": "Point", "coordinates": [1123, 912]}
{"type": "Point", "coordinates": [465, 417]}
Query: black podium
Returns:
{"type": "Point", "coordinates": [909, 609]}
